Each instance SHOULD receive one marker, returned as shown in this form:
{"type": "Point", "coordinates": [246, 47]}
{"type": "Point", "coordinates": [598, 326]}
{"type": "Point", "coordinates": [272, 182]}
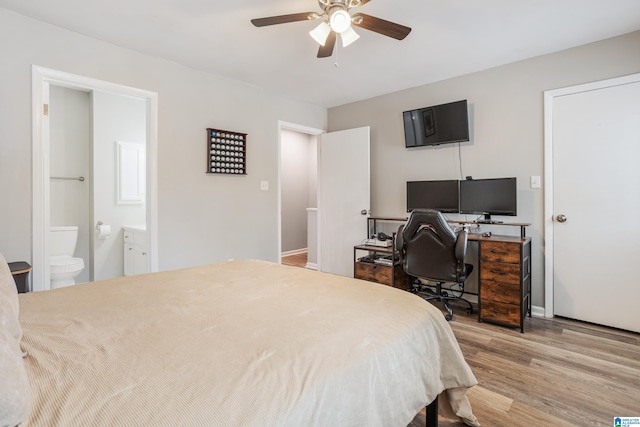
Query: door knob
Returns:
{"type": "Point", "coordinates": [363, 212]}
{"type": "Point", "coordinates": [561, 218]}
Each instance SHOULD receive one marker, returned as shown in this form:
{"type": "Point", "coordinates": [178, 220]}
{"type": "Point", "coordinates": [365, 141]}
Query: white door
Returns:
{"type": "Point", "coordinates": [343, 197]}
{"type": "Point", "coordinates": [596, 200]}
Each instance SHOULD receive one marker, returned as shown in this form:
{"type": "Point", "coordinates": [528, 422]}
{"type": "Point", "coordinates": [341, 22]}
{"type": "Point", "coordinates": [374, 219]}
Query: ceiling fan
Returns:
{"type": "Point", "coordinates": [337, 19]}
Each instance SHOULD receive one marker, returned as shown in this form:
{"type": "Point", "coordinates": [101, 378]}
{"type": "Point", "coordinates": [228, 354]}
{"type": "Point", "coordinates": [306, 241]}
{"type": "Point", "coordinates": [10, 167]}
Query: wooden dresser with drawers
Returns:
{"type": "Point", "coordinates": [504, 289]}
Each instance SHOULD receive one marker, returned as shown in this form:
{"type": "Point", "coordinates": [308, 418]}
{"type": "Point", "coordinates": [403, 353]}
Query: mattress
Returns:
{"type": "Point", "coordinates": [243, 343]}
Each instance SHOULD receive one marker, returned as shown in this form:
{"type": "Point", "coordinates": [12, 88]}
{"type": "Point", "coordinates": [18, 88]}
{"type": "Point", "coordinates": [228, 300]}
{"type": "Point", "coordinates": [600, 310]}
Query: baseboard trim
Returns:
{"type": "Point", "coordinates": [293, 252]}
{"type": "Point", "coordinates": [312, 266]}
{"type": "Point", "coordinates": [537, 311]}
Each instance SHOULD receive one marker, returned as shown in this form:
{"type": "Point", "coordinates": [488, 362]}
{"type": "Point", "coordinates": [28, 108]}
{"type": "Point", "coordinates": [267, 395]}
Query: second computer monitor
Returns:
{"type": "Point", "coordinates": [496, 196]}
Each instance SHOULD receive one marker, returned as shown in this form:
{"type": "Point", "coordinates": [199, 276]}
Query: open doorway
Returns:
{"type": "Point", "coordinates": [46, 211]}
{"type": "Point", "coordinates": [298, 195]}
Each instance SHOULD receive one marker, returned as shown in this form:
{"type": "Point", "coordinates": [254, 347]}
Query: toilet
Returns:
{"type": "Point", "coordinates": [63, 266]}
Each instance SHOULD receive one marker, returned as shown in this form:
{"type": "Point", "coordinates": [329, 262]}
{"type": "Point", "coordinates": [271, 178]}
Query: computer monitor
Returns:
{"type": "Point", "coordinates": [438, 195]}
{"type": "Point", "coordinates": [496, 196]}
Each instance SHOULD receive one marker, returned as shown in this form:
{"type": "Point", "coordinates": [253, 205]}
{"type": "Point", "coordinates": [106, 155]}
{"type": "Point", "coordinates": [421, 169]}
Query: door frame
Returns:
{"type": "Point", "coordinates": [549, 97]}
{"type": "Point", "coordinates": [41, 76]}
{"type": "Point", "coordinates": [282, 125]}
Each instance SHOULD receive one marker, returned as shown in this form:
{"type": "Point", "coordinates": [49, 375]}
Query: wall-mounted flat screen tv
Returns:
{"type": "Point", "coordinates": [438, 195]}
{"type": "Point", "coordinates": [439, 124]}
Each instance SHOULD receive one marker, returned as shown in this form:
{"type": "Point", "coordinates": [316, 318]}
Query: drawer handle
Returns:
{"type": "Point", "coordinates": [505, 313]}
{"type": "Point", "coordinates": [503, 273]}
{"type": "Point", "coordinates": [499, 252]}
{"type": "Point", "coordinates": [501, 292]}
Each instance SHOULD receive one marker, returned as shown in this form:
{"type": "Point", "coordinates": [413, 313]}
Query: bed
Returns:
{"type": "Point", "coordinates": [242, 343]}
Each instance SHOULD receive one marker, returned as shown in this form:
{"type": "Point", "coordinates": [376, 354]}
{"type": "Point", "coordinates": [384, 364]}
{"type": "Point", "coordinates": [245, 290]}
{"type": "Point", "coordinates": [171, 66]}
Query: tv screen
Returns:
{"type": "Point", "coordinates": [439, 195]}
{"type": "Point", "coordinates": [496, 196]}
{"type": "Point", "coordinates": [439, 124]}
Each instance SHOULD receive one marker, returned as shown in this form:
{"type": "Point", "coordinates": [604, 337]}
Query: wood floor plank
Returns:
{"type": "Point", "coordinates": [605, 398]}
{"type": "Point", "coordinates": [579, 374]}
{"type": "Point", "coordinates": [480, 397]}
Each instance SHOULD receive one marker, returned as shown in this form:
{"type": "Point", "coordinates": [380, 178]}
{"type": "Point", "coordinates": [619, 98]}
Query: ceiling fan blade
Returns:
{"type": "Point", "coordinates": [283, 19]}
{"type": "Point", "coordinates": [380, 26]}
{"type": "Point", "coordinates": [327, 50]}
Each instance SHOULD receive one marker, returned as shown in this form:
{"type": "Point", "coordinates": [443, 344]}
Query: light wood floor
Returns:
{"type": "Point", "coordinates": [560, 372]}
{"type": "Point", "coordinates": [297, 260]}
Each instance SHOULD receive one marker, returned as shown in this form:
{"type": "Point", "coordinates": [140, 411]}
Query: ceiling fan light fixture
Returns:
{"type": "Point", "coordinates": [320, 33]}
{"type": "Point", "coordinates": [349, 36]}
{"type": "Point", "coordinates": [340, 20]}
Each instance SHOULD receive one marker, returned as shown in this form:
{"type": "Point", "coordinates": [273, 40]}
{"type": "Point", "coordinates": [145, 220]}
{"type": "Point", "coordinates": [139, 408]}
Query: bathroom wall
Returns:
{"type": "Point", "coordinates": [70, 138]}
{"type": "Point", "coordinates": [115, 118]}
{"type": "Point", "coordinates": [77, 119]}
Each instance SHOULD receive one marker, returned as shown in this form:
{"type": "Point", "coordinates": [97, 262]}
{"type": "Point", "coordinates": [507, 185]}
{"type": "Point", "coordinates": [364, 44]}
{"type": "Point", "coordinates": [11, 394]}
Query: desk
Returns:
{"type": "Point", "coordinates": [504, 279]}
{"type": "Point", "coordinates": [391, 275]}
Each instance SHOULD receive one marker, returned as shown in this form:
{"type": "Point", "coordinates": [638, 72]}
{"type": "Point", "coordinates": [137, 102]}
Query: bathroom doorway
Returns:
{"type": "Point", "coordinates": [84, 132]}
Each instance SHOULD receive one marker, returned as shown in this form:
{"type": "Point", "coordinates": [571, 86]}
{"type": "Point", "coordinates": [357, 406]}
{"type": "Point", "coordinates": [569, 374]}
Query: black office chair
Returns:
{"type": "Point", "coordinates": [429, 249]}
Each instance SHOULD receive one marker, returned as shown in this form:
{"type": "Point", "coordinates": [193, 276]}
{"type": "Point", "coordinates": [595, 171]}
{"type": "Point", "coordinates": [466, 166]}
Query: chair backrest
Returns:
{"type": "Point", "coordinates": [430, 249]}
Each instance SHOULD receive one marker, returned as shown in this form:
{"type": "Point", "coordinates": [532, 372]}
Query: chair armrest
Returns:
{"type": "Point", "coordinates": [399, 243]}
{"type": "Point", "coordinates": [461, 249]}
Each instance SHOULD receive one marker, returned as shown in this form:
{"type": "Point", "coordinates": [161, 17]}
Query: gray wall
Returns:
{"type": "Point", "coordinates": [201, 218]}
{"type": "Point", "coordinates": [506, 108]}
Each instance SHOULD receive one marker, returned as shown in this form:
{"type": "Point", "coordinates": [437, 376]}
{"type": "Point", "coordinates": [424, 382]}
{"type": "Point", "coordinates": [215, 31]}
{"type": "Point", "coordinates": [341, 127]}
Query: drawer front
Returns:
{"type": "Point", "coordinates": [500, 251]}
{"type": "Point", "coordinates": [500, 312]}
{"type": "Point", "coordinates": [499, 272]}
{"type": "Point", "coordinates": [502, 292]}
{"type": "Point", "coordinates": [372, 272]}
{"type": "Point", "coordinates": [402, 280]}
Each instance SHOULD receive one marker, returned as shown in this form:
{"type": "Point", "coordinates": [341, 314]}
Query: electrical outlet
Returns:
{"type": "Point", "coordinates": [264, 185]}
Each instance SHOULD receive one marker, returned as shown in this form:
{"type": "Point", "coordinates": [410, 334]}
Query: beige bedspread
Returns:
{"type": "Point", "coordinates": [244, 343]}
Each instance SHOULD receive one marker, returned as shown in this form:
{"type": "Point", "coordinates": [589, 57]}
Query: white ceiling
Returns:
{"type": "Point", "coordinates": [449, 38]}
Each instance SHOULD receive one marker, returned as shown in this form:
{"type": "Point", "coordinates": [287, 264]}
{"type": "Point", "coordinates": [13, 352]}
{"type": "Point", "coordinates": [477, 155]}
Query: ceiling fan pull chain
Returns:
{"type": "Point", "coordinates": [336, 64]}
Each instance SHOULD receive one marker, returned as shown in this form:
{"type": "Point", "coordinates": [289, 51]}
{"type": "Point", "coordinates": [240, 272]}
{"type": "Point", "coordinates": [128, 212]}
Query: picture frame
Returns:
{"type": "Point", "coordinates": [429, 121]}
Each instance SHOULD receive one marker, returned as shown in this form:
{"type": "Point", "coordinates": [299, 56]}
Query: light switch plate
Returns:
{"type": "Point", "coordinates": [264, 185]}
{"type": "Point", "coordinates": [535, 181]}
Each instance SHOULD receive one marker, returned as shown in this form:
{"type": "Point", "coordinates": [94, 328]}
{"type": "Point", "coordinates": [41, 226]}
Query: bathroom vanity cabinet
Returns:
{"type": "Point", "coordinates": [136, 259]}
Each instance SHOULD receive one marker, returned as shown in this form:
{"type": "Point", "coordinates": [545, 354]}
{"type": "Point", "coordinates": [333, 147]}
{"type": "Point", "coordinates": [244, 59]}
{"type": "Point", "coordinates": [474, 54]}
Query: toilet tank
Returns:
{"type": "Point", "coordinates": [62, 240]}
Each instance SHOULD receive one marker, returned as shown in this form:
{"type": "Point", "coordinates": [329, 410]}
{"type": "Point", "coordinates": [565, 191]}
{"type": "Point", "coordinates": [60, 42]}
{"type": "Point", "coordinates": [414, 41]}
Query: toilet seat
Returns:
{"type": "Point", "coordinates": [65, 264]}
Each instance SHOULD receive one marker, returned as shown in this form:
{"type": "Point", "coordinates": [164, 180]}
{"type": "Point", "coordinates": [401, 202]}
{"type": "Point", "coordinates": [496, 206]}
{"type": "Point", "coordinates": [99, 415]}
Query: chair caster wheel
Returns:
{"type": "Point", "coordinates": [448, 316]}
{"type": "Point", "coordinates": [469, 310]}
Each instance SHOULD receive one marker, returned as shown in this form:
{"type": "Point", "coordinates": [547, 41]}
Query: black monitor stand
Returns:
{"type": "Point", "coordinates": [487, 220]}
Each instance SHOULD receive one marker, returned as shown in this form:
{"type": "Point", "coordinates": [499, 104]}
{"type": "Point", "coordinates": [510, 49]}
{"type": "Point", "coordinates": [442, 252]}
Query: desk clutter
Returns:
{"type": "Point", "coordinates": [503, 261]}
{"type": "Point", "coordinates": [226, 152]}
{"type": "Point", "coordinates": [377, 259]}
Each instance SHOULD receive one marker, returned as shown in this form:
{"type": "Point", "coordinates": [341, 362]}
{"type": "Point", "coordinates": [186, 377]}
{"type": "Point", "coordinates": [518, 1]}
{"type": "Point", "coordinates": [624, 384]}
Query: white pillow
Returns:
{"type": "Point", "coordinates": [9, 302]}
{"type": "Point", "coordinates": [14, 385]}
{"type": "Point", "coordinates": [15, 393]}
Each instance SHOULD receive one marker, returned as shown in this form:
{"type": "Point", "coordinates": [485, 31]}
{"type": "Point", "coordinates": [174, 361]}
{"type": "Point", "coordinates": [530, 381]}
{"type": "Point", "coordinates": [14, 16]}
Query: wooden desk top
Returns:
{"type": "Point", "coordinates": [475, 237]}
{"type": "Point", "coordinates": [385, 249]}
